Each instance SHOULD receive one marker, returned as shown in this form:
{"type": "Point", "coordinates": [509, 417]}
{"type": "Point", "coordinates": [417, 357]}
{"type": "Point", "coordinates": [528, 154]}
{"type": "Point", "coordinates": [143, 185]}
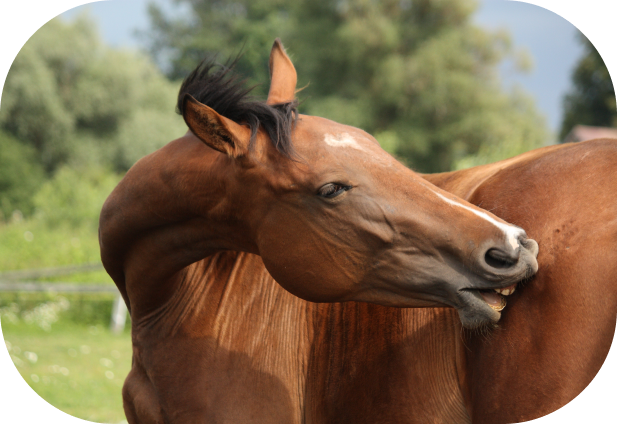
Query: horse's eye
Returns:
{"type": "Point", "coordinates": [332, 190]}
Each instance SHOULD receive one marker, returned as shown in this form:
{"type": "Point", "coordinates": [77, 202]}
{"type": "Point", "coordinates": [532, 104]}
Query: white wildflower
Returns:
{"type": "Point", "coordinates": [32, 357]}
{"type": "Point", "coordinates": [106, 362]}
{"type": "Point", "coordinates": [17, 361]}
{"type": "Point", "coordinates": [10, 313]}
{"type": "Point", "coordinates": [44, 315]}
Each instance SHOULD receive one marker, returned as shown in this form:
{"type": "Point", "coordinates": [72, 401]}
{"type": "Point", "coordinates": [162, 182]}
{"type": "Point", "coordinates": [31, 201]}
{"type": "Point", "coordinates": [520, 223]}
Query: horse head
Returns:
{"type": "Point", "coordinates": [337, 218]}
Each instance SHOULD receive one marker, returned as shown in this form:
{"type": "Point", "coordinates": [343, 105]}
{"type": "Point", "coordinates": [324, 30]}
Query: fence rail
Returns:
{"type": "Point", "coordinates": [15, 281]}
{"type": "Point", "coordinates": [49, 272]}
{"type": "Point", "coordinates": [56, 287]}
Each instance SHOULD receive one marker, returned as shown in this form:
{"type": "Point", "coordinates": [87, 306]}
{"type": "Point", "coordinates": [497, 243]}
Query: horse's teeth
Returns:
{"type": "Point", "coordinates": [504, 291]}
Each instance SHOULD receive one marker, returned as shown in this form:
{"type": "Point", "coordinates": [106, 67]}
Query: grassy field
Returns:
{"type": "Point", "coordinates": [78, 369]}
{"type": "Point", "coordinates": [60, 343]}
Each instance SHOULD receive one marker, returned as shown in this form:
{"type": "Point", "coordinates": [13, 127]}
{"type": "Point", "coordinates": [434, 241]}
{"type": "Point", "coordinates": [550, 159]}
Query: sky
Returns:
{"type": "Point", "coordinates": [548, 38]}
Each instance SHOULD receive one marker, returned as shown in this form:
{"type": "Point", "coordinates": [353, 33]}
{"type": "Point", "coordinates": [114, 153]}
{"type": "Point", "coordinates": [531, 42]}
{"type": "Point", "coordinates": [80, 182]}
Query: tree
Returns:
{"type": "Point", "coordinates": [75, 101]}
{"type": "Point", "coordinates": [20, 176]}
{"type": "Point", "coordinates": [591, 101]}
{"type": "Point", "coordinates": [416, 74]}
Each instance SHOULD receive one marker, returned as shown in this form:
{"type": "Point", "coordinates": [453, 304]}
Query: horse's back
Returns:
{"type": "Point", "coordinates": [557, 330]}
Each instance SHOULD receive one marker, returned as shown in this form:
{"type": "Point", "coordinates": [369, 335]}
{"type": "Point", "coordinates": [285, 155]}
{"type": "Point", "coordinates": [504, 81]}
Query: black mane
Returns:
{"type": "Point", "coordinates": [216, 86]}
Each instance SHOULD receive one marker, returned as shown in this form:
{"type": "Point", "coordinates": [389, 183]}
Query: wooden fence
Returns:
{"type": "Point", "coordinates": [22, 281]}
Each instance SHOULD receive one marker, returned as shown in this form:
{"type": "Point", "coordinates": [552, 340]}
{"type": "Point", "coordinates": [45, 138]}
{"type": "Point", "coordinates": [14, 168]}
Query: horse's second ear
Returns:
{"type": "Point", "coordinates": [216, 131]}
{"type": "Point", "coordinates": [282, 75]}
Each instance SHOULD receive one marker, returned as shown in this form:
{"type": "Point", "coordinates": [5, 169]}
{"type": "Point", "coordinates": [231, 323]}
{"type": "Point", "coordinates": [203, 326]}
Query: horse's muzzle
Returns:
{"type": "Point", "coordinates": [508, 263]}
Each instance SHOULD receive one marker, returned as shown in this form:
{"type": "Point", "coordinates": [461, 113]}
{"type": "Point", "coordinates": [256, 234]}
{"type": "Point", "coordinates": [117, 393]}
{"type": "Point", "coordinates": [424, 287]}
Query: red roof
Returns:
{"type": "Point", "coordinates": [580, 133]}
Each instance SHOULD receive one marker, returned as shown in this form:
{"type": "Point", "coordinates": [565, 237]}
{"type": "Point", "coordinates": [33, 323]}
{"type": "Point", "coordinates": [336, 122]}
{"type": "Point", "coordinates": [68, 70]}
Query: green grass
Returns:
{"type": "Point", "coordinates": [60, 343]}
{"type": "Point", "coordinates": [78, 369]}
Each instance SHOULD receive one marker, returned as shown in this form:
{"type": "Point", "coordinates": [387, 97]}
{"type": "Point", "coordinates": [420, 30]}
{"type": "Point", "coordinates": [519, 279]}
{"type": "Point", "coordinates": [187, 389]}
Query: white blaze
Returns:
{"type": "Point", "coordinates": [342, 140]}
{"type": "Point", "coordinates": [512, 233]}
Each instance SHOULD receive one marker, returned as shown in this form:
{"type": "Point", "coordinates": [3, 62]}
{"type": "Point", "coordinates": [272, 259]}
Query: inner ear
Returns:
{"type": "Point", "coordinates": [282, 75]}
{"type": "Point", "coordinates": [216, 131]}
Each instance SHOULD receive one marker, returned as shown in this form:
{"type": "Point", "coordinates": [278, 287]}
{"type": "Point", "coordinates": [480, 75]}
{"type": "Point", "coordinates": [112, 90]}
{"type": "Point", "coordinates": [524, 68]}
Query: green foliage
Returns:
{"type": "Point", "coordinates": [77, 101]}
{"type": "Point", "coordinates": [417, 74]}
{"type": "Point", "coordinates": [64, 228]}
{"type": "Point", "coordinates": [32, 109]}
{"type": "Point", "coordinates": [20, 176]}
{"type": "Point", "coordinates": [219, 27]}
{"type": "Point", "coordinates": [523, 131]}
{"type": "Point", "coordinates": [74, 197]}
{"type": "Point", "coordinates": [592, 98]}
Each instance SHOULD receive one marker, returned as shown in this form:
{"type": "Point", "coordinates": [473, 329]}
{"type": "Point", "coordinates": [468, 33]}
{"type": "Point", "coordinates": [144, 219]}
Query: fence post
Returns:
{"type": "Point", "coordinates": [118, 315]}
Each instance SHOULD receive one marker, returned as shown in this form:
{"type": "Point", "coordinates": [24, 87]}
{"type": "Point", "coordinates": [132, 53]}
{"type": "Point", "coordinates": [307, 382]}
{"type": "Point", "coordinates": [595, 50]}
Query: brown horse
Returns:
{"type": "Point", "coordinates": [218, 340]}
{"type": "Point", "coordinates": [411, 365]}
{"type": "Point", "coordinates": [333, 216]}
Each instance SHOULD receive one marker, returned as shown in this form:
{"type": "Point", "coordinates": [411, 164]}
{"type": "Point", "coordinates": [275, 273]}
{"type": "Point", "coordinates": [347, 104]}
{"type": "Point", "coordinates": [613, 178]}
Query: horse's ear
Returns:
{"type": "Point", "coordinates": [216, 131]}
{"type": "Point", "coordinates": [282, 75]}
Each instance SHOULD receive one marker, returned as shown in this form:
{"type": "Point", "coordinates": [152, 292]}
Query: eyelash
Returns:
{"type": "Point", "coordinates": [332, 190]}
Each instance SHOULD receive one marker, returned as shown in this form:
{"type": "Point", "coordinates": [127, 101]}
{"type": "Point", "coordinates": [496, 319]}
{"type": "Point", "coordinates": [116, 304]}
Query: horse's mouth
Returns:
{"type": "Point", "coordinates": [483, 302]}
{"type": "Point", "coordinates": [496, 298]}
{"type": "Point", "coordinates": [482, 306]}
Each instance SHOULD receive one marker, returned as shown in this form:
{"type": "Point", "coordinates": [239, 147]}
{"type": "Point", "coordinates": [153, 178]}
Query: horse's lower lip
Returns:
{"type": "Point", "coordinates": [494, 299]}
{"type": "Point", "coordinates": [473, 309]}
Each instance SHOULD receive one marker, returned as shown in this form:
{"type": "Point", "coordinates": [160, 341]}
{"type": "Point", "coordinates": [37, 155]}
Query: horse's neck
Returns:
{"type": "Point", "coordinates": [326, 354]}
{"type": "Point", "coordinates": [167, 213]}
{"type": "Point", "coordinates": [228, 312]}
{"type": "Point", "coordinates": [331, 354]}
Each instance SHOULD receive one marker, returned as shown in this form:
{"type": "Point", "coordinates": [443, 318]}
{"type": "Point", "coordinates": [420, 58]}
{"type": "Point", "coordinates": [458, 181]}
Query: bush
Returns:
{"type": "Point", "coordinates": [74, 197]}
{"type": "Point", "coordinates": [77, 101]}
{"type": "Point", "coordinates": [20, 176]}
{"type": "Point", "coordinates": [64, 227]}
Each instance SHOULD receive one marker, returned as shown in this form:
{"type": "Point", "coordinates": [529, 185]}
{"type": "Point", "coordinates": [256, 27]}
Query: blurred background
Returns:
{"type": "Point", "coordinates": [442, 84]}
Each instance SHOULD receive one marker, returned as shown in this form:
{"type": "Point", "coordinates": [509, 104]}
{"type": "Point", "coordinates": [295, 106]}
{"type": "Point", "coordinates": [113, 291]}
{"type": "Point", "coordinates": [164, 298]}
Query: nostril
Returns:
{"type": "Point", "coordinates": [531, 246]}
{"type": "Point", "coordinates": [499, 259]}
